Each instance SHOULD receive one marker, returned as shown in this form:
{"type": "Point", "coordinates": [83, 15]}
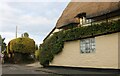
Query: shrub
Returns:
{"type": "Point", "coordinates": [37, 54]}
{"type": "Point", "coordinates": [22, 45]}
{"type": "Point", "coordinates": [21, 48]}
{"type": "Point", "coordinates": [22, 58]}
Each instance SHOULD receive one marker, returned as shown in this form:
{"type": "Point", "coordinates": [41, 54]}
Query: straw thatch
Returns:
{"type": "Point", "coordinates": [91, 9]}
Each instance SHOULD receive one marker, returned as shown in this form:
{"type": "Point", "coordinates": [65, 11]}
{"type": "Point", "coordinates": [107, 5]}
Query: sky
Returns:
{"type": "Point", "coordinates": [37, 18]}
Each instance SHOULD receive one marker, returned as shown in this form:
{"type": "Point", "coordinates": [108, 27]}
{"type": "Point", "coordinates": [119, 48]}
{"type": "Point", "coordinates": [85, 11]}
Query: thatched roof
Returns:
{"type": "Point", "coordinates": [91, 9]}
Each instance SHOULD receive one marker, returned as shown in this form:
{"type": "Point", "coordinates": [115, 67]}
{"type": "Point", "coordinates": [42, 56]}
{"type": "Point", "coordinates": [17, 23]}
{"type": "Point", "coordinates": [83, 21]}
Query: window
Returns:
{"type": "Point", "coordinates": [88, 21]}
{"type": "Point", "coordinates": [85, 22]}
{"type": "Point", "coordinates": [87, 45]}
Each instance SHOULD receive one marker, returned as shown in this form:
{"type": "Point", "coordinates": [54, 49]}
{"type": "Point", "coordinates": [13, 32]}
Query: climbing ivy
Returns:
{"type": "Point", "coordinates": [55, 43]}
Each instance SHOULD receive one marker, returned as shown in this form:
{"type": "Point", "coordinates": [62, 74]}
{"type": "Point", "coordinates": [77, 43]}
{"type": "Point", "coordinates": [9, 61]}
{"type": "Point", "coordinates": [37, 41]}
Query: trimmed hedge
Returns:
{"type": "Point", "coordinates": [21, 50]}
{"type": "Point", "coordinates": [54, 44]}
{"type": "Point", "coordinates": [21, 45]}
{"type": "Point", "coordinates": [22, 58]}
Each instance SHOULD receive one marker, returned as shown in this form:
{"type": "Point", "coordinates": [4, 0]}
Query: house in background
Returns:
{"type": "Point", "coordinates": [99, 51]}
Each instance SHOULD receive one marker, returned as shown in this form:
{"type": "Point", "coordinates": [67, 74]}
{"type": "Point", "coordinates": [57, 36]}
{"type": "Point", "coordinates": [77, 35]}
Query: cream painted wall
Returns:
{"type": "Point", "coordinates": [119, 51]}
{"type": "Point", "coordinates": [107, 51]}
{"type": "Point", "coordinates": [105, 56]}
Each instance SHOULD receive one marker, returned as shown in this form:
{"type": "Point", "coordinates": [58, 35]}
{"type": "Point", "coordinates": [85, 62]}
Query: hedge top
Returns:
{"type": "Point", "coordinates": [22, 45]}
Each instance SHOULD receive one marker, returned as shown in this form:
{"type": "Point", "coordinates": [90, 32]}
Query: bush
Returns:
{"type": "Point", "coordinates": [54, 44]}
{"type": "Point", "coordinates": [22, 45]}
{"type": "Point", "coordinates": [22, 58]}
{"type": "Point", "coordinates": [37, 54]}
{"type": "Point", "coordinates": [21, 48]}
{"type": "Point", "coordinates": [45, 58]}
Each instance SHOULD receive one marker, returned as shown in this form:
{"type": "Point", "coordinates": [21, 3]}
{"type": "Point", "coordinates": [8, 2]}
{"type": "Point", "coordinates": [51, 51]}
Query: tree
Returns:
{"type": "Point", "coordinates": [37, 54]}
{"type": "Point", "coordinates": [3, 44]}
{"type": "Point", "coordinates": [25, 34]}
{"type": "Point", "coordinates": [0, 39]}
{"type": "Point", "coordinates": [36, 47]}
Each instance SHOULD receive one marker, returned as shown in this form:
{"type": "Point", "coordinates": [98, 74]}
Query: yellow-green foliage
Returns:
{"type": "Point", "coordinates": [22, 45]}
{"type": "Point", "coordinates": [37, 54]}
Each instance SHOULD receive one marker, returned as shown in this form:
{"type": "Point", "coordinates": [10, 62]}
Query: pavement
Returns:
{"type": "Point", "coordinates": [73, 71]}
{"type": "Point", "coordinates": [69, 70]}
{"type": "Point", "coordinates": [66, 70]}
{"type": "Point", "coordinates": [34, 65]}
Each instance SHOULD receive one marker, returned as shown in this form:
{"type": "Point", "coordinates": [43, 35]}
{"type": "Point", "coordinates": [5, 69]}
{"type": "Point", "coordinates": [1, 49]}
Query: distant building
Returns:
{"type": "Point", "coordinates": [100, 51]}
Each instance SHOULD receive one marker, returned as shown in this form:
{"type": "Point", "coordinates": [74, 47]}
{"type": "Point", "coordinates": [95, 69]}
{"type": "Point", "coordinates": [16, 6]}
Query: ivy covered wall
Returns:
{"type": "Point", "coordinates": [54, 44]}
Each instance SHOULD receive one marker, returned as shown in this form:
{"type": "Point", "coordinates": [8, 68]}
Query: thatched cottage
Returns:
{"type": "Point", "coordinates": [96, 42]}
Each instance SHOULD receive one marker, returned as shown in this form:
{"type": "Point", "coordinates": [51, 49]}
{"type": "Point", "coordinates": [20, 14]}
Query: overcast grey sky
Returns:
{"type": "Point", "coordinates": [35, 17]}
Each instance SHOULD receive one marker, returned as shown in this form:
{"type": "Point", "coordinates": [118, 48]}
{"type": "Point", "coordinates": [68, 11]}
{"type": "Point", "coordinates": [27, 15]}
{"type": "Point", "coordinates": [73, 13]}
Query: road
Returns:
{"type": "Point", "coordinates": [23, 70]}
{"type": "Point", "coordinates": [19, 69]}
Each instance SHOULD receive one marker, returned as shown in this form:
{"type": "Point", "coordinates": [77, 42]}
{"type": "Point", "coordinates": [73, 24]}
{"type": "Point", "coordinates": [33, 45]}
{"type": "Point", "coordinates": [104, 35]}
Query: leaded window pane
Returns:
{"type": "Point", "coordinates": [87, 45]}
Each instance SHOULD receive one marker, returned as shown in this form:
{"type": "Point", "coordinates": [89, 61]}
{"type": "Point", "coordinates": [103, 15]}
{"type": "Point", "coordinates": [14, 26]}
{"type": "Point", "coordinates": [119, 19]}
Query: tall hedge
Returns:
{"type": "Point", "coordinates": [22, 45]}
{"type": "Point", "coordinates": [54, 44]}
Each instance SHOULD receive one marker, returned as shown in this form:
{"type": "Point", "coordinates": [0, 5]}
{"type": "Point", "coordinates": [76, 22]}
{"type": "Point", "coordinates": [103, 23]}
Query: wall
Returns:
{"type": "Point", "coordinates": [105, 56]}
{"type": "Point", "coordinates": [119, 51]}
